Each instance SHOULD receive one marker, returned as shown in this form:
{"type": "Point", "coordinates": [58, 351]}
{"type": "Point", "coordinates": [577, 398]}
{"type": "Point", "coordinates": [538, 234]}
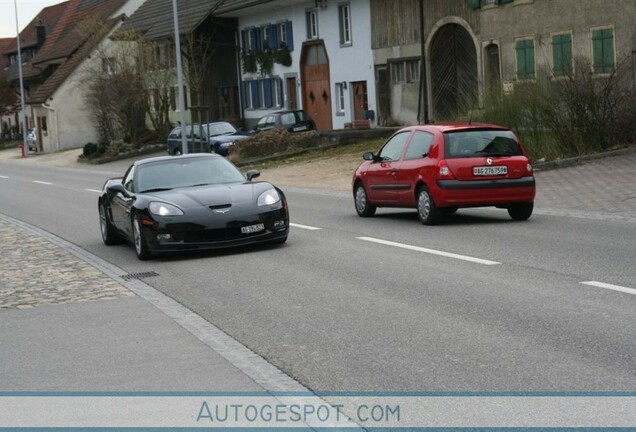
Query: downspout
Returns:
{"type": "Point", "coordinates": [57, 129]}
{"type": "Point", "coordinates": [422, 109]}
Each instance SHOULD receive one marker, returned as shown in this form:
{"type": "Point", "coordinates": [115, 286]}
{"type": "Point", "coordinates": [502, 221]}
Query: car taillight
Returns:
{"type": "Point", "coordinates": [443, 171]}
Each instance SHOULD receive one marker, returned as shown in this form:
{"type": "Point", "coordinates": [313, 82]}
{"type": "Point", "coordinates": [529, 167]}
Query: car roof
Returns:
{"type": "Point", "coordinates": [166, 158]}
{"type": "Point", "coordinates": [455, 126]}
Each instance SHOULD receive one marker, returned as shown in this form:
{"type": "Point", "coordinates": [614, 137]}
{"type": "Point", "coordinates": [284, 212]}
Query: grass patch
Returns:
{"type": "Point", "coordinates": [341, 151]}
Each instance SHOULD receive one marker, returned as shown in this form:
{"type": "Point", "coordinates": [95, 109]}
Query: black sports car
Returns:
{"type": "Point", "coordinates": [198, 201]}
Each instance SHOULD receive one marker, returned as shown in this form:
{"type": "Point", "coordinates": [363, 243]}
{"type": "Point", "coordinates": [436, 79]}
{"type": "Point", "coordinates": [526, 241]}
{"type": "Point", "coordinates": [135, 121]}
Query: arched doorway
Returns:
{"type": "Point", "coordinates": [492, 73]}
{"type": "Point", "coordinates": [454, 75]}
{"type": "Point", "coordinates": [315, 82]}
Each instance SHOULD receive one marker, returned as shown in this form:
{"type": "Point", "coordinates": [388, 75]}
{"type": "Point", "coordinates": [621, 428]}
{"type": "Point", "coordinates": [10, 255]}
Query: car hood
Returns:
{"type": "Point", "coordinates": [217, 195]}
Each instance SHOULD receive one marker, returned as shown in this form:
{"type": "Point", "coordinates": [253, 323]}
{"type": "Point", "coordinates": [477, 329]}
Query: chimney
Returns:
{"type": "Point", "coordinates": [40, 32]}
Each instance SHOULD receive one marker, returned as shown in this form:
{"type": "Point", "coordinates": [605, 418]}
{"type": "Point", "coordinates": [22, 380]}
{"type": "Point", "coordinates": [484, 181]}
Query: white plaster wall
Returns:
{"type": "Point", "coordinates": [347, 64]}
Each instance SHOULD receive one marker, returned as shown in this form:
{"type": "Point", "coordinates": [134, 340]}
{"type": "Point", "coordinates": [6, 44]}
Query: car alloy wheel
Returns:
{"type": "Point", "coordinates": [140, 242]}
{"type": "Point", "coordinates": [109, 235]}
{"type": "Point", "coordinates": [427, 211]}
{"type": "Point", "coordinates": [363, 207]}
{"type": "Point", "coordinates": [177, 152]}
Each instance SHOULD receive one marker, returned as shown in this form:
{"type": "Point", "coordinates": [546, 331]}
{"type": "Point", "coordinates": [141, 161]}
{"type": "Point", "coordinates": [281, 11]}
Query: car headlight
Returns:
{"type": "Point", "coordinates": [226, 144]}
{"type": "Point", "coordinates": [163, 209]}
{"type": "Point", "coordinates": [269, 197]}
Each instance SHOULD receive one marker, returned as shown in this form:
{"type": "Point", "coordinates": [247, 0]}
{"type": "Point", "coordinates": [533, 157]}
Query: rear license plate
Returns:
{"type": "Point", "coordinates": [300, 128]}
{"type": "Point", "coordinates": [252, 228]}
{"type": "Point", "coordinates": [490, 170]}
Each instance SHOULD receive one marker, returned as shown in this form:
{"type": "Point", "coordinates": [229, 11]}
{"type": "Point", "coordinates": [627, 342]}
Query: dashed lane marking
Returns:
{"type": "Point", "coordinates": [429, 251]}
{"type": "Point", "coordinates": [93, 190]}
{"type": "Point", "coordinates": [42, 182]}
{"type": "Point", "coordinates": [305, 227]}
{"type": "Point", "coordinates": [604, 285]}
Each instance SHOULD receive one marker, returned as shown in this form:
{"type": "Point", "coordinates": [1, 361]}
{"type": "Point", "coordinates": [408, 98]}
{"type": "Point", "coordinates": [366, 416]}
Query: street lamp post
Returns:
{"type": "Point", "coordinates": [177, 42]}
{"type": "Point", "coordinates": [22, 108]}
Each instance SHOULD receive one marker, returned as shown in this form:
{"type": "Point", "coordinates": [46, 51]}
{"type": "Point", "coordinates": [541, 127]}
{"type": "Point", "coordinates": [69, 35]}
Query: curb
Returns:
{"type": "Point", "coordinates": [577, 160]}
{"type": "Point", "coordinates": [154, 148]}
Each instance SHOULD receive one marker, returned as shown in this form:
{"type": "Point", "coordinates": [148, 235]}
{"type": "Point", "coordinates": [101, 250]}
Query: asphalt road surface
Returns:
{"type": "Point", "coordinates": [481, 303]}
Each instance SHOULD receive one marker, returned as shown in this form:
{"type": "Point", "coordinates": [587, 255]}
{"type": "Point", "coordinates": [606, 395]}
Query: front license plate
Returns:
{"type": "Point", "coordinates": [300, 128]}
{"type": "Point", "coordinates": [490, 170]}
{"type": "Point", "coordinates": [252, 228]}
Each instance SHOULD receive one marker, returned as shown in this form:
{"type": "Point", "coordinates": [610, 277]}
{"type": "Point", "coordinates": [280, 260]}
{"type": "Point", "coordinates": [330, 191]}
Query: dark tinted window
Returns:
{"type": "Point", "coordinates": [477, 142]}
{"type": "Point", "coordinates": [419, 145]}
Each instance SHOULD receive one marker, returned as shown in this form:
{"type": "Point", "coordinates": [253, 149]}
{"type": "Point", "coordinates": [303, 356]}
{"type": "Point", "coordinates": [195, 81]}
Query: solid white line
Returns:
{"type": "Point", "coordinates": [93, 190]}
{"type": "Point", "coordinates": [619, 288]}
{"type": "Point", "coordinates": [42, 182]}
{"type": "Point", "coordinates": [305, 227]}
{"type": "Point", "coordinates": [429, 251]}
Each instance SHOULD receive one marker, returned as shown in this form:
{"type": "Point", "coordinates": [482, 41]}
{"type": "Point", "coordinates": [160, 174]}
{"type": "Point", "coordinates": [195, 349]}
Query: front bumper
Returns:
{"type": "Point", "coordinates": [215, 233]}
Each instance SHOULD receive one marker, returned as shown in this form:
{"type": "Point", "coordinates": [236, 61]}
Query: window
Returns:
{"type": "Point", "coordinates": [285, 35]}
{"type": "Point", "coordinates": [277, 92]}
{"type": "Point", "coordinates": [173, 98]}
{"type": "Point", "coordinates": [312, 24]}
{"type": "Point", "coordinates": [525, 58]}
{"type": "Point", "coordinates": [561, 54]}
{"type": "Point", "coordinates": [392, 150]}
{"type": "Point", "coordinates": [413, 70]}
{"type": "Point", "coordinates": [340, 98]}
{"type": "Point", "coordinates": [603, 50]}
{"type": "Point", "coordinates": [419, 145]}
{"type": "Point", "coordinates": [397, 70]}
{"type": "Point", "coordinates": [344, 13]}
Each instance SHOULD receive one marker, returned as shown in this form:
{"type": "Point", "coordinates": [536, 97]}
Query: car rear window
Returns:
{"type": "Point", "coordinates": [287, 119]}
{"type": "Point", "coordinates": [480, 142]}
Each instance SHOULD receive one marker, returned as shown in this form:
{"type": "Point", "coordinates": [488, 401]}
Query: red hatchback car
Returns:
{"type": "Point", "coordinates": [439, 168]}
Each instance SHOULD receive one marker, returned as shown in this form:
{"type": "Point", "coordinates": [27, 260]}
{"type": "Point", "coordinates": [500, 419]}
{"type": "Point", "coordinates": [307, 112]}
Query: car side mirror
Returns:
{"type": "Point", "coordinates": [369, 156]}
{"type": "Point", "coordinates": [252, 174]}
{"type": "Point", "coordinates": [118, 188]}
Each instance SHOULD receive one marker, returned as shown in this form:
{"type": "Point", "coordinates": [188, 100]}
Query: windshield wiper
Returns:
{"type": "Point", "coordinates": [487, 153]}
{"type": "Point", "coordinates": [156, 190]}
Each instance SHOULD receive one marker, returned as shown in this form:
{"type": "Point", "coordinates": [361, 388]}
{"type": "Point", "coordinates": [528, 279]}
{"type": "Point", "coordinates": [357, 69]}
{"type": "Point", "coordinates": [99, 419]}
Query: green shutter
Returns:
{"type": "Point", "coordinates": [473, 4]}
{"type": "Point", "coordinates": [562, 54]}
{"type": "Point", "coordinates": [603, 50]}
{"type": "Point", "coordinates": [525, 59]}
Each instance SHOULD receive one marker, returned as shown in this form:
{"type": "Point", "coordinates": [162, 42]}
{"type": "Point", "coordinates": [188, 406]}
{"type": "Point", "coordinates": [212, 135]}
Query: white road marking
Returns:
{"type": "Point", "coordinates": [5, 177]}
{"type": "Point", "coordinates": [619, 288]}
{"type": "Point", "coordinates": [93, 190]}
{"type": "Point", "coordinates": [429, 251]}
{"type": "Point", "coordinates": [42, 182]}
{"type": "Point", "coordinates": [305, 227]}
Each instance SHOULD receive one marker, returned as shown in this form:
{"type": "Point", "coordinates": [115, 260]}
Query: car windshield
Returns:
{"type": "Point", "coordinates": [215, 129]}
{"type": "Point", "coordinates": [181, 172]}
{"type": "Point", "coordinates": [474, 143]}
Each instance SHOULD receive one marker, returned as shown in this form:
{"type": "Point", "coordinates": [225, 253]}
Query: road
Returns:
{"type": "Point", "coordinates": [480, 303]}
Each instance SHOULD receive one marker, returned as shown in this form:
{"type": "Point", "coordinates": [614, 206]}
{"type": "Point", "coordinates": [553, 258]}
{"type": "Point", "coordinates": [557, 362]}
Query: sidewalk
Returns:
{"type": "Point", "coordinates": [67, 325]}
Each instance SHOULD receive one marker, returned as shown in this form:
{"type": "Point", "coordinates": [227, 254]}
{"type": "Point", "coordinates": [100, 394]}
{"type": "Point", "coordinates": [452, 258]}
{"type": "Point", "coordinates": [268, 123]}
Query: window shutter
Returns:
{"type": "Point", "coordinates": [281, 92]}
{"type": "Point", "coordinates": [290, 35]}
{"type": "Point", "coordinates": [244, 40]}
{"type": "Point", "coordinates": [267, 93]}
{"type": "Point", "coordinates": [567, 54]}
{"type": "Point", "coordinates": [530, 58]}
{"type": "Point", "coordinates": [521, 65]}
{"type": "Point", "coordinates": [255, 94]}
{"type": "Point", "coordinates": [608, 51]}
{"type": "Point", "coordinates": [244, 93]}
{"type": "Point", "coordinates": [597, 48]}
{"type": "Point", "coordinates": [341, 25]}
{"type": "Point", "coordinates": [272, 35]}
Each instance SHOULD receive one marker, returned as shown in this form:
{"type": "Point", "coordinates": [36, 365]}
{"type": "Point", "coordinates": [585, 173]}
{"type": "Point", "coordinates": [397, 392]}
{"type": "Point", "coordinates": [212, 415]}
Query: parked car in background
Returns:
{"type": "Point", "coordinates": [293, 121]}
{"type": "Point", "coordinates": [440, 168]}
{"type": "Point", "coordinates": [215, 137]}
{"type": "Point", "coordinates": [32, 139]}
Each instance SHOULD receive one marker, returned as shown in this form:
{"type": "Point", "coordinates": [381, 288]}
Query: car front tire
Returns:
{"type": "Point", "coordinates": [109, 234]}
{"type": "Point", "coordinates": [521, 211]}
{"type": "Point", "coordinates": [427, 212]}
{"type": "Point", "coordinates": [363, 207]}
{"type": "Point", "coordinates": [139, 240]}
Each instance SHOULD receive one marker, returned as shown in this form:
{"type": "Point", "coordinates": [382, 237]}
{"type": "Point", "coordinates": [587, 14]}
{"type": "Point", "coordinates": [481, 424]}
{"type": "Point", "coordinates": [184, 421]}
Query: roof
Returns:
{"type": "Point", "coordinates": [154, 18]}
{"type": "Point", "coordinates": [48, 17]}
{"type": "Point", "coordinates": [67, 37]}
{"type": "Point", "coordinates": [4, 43]}
{"type": "Point", "coordinates": [60, 75]}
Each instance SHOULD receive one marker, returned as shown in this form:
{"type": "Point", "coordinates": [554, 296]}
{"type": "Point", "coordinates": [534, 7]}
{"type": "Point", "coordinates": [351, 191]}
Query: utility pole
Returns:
{"type": "Point", "coordinates": [177, 42]}
{"type": "Point", "coordinates": [422, 108]}
{"type": "Point", "coordinates": [22, 108]}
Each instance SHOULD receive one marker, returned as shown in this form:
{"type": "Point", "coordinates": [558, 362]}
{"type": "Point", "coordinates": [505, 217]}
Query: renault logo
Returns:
{"type": "Point", "coordinates": [489, 161]}
{"type": "Point", "coordinates": [221, 210]}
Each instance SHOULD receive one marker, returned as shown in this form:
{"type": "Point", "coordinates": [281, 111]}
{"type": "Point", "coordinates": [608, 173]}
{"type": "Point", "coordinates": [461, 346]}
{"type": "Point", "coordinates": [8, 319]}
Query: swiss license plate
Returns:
{"type": "Point", "coordinates": [252, 228]}
{"type": "Point", "coordinates": [490, 170]}
{"type": "Point", "coordinates": [300, 128]}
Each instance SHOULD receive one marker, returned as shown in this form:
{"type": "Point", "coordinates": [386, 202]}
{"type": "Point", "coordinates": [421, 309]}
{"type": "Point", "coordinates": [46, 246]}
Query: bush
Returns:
{"type": "Point", "coordinates": [571, 115]}
{"type": "Point", "coordinates": [92, 150]}
{"type": "Point", "coordinates": [273, 141]}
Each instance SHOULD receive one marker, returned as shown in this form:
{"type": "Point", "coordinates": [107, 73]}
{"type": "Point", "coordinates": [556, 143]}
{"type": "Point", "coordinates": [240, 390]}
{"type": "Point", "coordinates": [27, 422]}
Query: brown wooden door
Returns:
{"type": "Point", "coordinates": [292, 98]}
{"type": "Point", "coordinates": [360, 99]}
{"type": "Point", "coordinates": [316, 89]}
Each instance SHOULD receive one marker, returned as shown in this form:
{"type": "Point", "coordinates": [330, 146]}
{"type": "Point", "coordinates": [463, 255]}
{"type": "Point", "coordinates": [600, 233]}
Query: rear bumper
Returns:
{"type": "Point", "coordinates": [484, 192]}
